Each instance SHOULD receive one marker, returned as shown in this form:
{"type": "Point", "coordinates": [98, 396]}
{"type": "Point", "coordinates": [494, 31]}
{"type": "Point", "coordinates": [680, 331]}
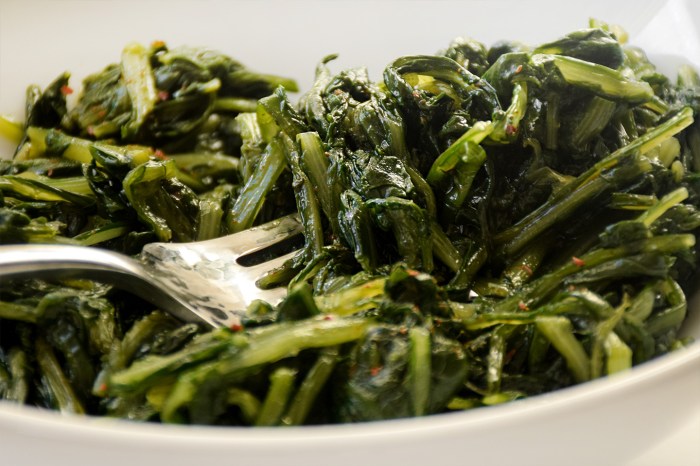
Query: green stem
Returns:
{"type": "Point", "coordinates": [66, 399]}
{"type": "Point", "coordinates": [140, 84]}
{"type": "Point", "coordinates": [419, 369]}
{"type": "Point", "coordinates": [278, 395]}
{"type": "Point", "coordinates": [252, 196]}
{"type": "Point", "coordinates": [559, 331]}
{"type": "Point", "coordinates": [310, 388]}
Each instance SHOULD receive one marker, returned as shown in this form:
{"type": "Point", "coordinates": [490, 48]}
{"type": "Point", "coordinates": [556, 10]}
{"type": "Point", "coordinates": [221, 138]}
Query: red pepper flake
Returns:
{"type": "Point", "coordinates": [413, 273]}
{"type": "Point", "coordinates": [578, 262]}
{"type": "Point", "coordinates": [236, 327]}
{"type": "Point", "coordinates": [403, 331]}
{"type": "Point", "coordinates": [328, 317]}
{"type": "Point", "coordinates": [522, 306]}
{"type": "Point", "coordinates": [511, 130]}
{"type": "Point", "coordinates": [102, 388]}
{"type": "Point", "coordinates": [66, 90]}
{"type": "Point", "coordinates": [163, 95]}
{"type": "Point", "coordinates": [90, 130]}
{"type": "Point", "coordinates": [49, 172]}
{"type": "Point", "coordinates": [375, 370]}
{"type": "Point", "coordinates": [160, 154]}
{"type": "Point", "coordinates": [518, 69]}
{"type": "Point", "coordinates": [526, 268]}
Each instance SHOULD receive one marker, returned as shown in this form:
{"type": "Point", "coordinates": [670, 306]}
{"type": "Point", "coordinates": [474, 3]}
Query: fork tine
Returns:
{"type": "Point", "coordinates": [256, 272]}
{"type": "Point", "coordinates": [259, 270]}
{"type": "Point", "coordinates": [259, 237]}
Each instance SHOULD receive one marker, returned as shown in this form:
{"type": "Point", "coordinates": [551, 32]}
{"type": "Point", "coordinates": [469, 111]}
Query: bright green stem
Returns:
{"type": "Point", "coordinates": [496, 358]}
{"type": "Point", "coordinates": [618, 354]}
{"type": "Point", "coordinates": [419, 369]}
{"type": "Point", "coordinates": [278, 395]}
{"type": "Point", "coordinates": [351, 300]}
{"type": "Point", "coordinates": [559, 331]}
{"type": "Point", "coordinates": [10, 129]}
{"type": "Point", "coordinates": [252, 196]}
{"type": "Point", "coordinates": [478, 321]}
{"type": "Point", "coordinates": [140, 84]}
{"type": "Point", "coordinates": [506, 129]}
{"type": "Point", "coordinates": [41, 188]}
{"type": "Point", "coordinates": [659, 134]}
{"type": "Point", "coordinates": [669, 200]}
{"type": "Point", "coordinates": [288, 339]}
{"type": "Point", "coordinates": [261, 346]}
{"type": "Point", "coordinates": [102, 234]}
{"type": "Point", "coordinates": [149, 370]}
{"type": "Point", "coordinates": [603, 331]}
{"type": "Point", "coordinates": [209, 220]}
{"type": "Point", "coordinates": [600, 79]}
{"type": "Point", "coordinates": [452, 156]}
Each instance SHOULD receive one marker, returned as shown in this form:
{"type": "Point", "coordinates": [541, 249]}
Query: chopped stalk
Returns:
{"type": "Point", "coordinates": [252, 196]}
{"type": "Point", "coordinates": [140, 83]}
{"type": "Point", "coordinates": [599, 79]}
{"type": "Point", "coordinates": [313, 383]}
{"type": "Point", "coordinates": [419, 369]}
{"type": "Point", "coordinates": [278, 396]}
{"type": "Point", "coordinates": [618, 354]}
{"type": "Point", "coordinates": [64, 395]}
{"type": "Point", "coordinates": [559, 331]}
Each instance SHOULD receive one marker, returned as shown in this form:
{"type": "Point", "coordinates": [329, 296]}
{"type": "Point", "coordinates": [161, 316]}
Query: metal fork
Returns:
{"type": "Point", "coordinates": [203, 281]}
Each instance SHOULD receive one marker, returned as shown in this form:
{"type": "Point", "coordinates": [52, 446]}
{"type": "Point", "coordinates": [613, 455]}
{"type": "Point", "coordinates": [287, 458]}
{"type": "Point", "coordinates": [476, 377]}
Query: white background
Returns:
{"type": "Point", "coordinates": [41, 39]}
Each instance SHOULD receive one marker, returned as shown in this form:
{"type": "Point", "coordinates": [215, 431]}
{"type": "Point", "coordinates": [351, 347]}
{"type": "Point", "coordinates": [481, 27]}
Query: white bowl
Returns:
{"type": "Point", "coordinates": [604, 422]}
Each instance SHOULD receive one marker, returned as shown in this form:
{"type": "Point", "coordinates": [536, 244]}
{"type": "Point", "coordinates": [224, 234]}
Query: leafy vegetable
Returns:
{"type": "Point", "coordinates": [481, 225]}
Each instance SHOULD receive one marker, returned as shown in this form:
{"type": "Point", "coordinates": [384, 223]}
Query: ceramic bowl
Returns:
{"type": "Point", "coordinates": [604, 422]}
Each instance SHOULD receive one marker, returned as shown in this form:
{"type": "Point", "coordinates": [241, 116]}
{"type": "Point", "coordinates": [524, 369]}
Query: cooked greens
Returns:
{"type": "Point", "coordinates": [481, 225]}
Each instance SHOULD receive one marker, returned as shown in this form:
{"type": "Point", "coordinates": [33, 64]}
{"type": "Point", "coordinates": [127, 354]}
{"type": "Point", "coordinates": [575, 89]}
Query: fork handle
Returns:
{"type": "Point", "coordinates": [66, 261]}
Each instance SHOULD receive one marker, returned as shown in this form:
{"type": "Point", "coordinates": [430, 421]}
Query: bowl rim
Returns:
{"type": "Point", "coordinates": [44, 423]}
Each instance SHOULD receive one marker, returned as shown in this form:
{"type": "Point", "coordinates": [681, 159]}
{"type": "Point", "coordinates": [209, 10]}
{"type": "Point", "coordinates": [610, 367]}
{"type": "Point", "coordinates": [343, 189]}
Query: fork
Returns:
{"type": "Point", "coordinates": [203, 281]}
